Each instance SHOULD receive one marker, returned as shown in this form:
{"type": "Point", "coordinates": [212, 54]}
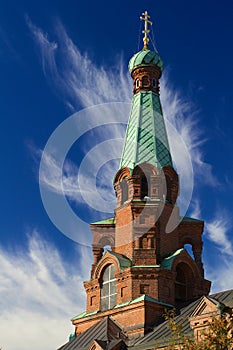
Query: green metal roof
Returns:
{"type": "Point", "coordinates": [84, 314]}
{"type": "Point", "coordinates": [142, 297]}
{"type": "Point", "coordinates": [124, 262]}
{"type": "Point", "coordinates": [167, 262]}
{"type": "Point", "coordinates": [146, 137]}
{"type": "Point", "coordinates": [145, 57]}
{"type": "Point", "coordinates": [188, 219]}
{"type": "Point", "coordinates": [109, 221]}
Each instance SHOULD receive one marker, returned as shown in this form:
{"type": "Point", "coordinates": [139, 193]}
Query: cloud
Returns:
{"type": "Point", "coordinates": [47, 49]}
{"type": "Point", "coordinates": [217, 230]}
{"type": "Point", "coordinates": [91, 178]}
{"type": "Point", "coordinates": [79, 81]}
{"type": "Point", "coordinates": [183, 114]}
{"type": "Point", "coordinates": [221, 276]}
{"type": "Point", "coordinates": [219, 261]}
{"type": "Point", "coordinates": [39, 293]}
{"type": "Point", "coordinates": [195, 209]}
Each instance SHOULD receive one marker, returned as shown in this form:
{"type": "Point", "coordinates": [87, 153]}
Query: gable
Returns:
{"type": "Point", "coordinates": [206, 306]}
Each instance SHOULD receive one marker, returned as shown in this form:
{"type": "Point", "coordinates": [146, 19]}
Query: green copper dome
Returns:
{"type": "Point", "coordinates": [145, 57]}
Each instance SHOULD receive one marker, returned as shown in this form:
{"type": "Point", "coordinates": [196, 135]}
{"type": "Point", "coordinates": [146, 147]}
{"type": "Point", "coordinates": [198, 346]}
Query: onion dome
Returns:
{"type": "Point", "coordinates": [145, 58]}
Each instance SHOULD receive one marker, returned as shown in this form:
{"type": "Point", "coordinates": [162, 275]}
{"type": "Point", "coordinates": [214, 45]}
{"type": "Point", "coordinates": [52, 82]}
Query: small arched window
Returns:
{"type": "Point", "coordinates": [108, 288]}
{"type": "Point", "coordinates": [183, 283]}
{"type": "Point", "coordinates": [124, 191]}
{"type": "Point", "coordinates": [144, 187]}
{"type": "Point", "coordinates": [145, 81]}
{"type": "Point", "coordinates": [153, 83]}
{"type": "Point", "coordinates": [137, 83]}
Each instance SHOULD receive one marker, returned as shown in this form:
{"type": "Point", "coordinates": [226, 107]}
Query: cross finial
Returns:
{"type": "Point", "coordinates": [146, 31]}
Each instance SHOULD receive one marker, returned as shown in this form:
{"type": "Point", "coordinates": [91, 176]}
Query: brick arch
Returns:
{"type": "Point", "coordinates": [188, 239]}
{"type": "Point", "coordinates": [121, 174]}
{"type": "Point", "coordinates": [107, 259]}
{"type": "Point", "coordinates": [172, 183]}
{"type": "Point", "coordinates": [186, 282]}
{"type": "Point", "coordinates": [197, 245]}
{"type": "Point", "coordinates": [194, 240]}
{"type": "Point", "coordinates": [106, 240]}
{"type": "Point", "coordinates": [145, 168]}
{"type": "Point", "coordinates": [185, 258]}
{"type": "Point", "coordinates": [170, 172]}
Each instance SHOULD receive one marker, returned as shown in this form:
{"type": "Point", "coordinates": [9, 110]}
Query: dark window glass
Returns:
{"type": "Point", "coordinates": [183, 283]}
{"type": "Point", "coordinates": [154, 84]}
{"type": "Point", "coordinates": [145, 81]}
{"type": "Point", "coordinates": [144, 187]}
{"type": "Point", "coordinates": [124, 189]}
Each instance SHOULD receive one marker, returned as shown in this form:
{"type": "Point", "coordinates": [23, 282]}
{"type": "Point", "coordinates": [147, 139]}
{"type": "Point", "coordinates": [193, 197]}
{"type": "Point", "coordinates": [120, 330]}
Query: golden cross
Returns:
{"type": "Point", "coordinates": [146, 31]}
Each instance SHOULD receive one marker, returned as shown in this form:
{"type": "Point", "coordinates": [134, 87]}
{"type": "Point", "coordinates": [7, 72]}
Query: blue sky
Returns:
{"type": "Point", "coordinates": [59, 58]}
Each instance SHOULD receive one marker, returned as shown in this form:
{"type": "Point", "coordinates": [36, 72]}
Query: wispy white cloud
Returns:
{"type": "Point", "coordinates": [218, 230]}
{"type": "Point", "coordinates": [221, 276]}
{"type": "Point", "coordinates": [195, 211]}
{"type": "Point", "coordinates": [47, 49]}
{"type": "Point", "coordinates": [219, 263]}
{"type": "Point", "coordinates": [183, 114]}
{"type": "Point", "coordinates": [39, 293]}
{"type": "Point", "coordinates": [80, 82]}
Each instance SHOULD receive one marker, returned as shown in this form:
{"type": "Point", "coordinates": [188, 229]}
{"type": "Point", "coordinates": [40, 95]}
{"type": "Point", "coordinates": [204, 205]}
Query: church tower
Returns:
{"type": "Point", "coordinates": [147, 269]}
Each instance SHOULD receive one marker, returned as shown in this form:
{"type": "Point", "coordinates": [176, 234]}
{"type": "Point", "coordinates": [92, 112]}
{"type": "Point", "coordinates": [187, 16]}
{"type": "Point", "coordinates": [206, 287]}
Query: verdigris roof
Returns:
{"type": "Point", "coordinates": [123, 261]}
{"type": "Point", "coordinates": [188, 219]}
{"type": "Point", "coordinates": [145, 57]}
{"type": "Point", "coordinates": [104, 332]}
{"type": "Point", "coordinates": [161, 333]}
{"type": "Point", "coordinates": [167, 262]}
{"type": "Point", "coordinates": [109, 221]}
{"type": "Point", "coordinates": [146, 137]}
{"type": "Point", "coordinates": [136, 300]}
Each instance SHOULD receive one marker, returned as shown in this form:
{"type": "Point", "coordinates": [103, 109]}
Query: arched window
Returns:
{"type": "Point", "coordinates": [153, 83]}
{"type": "Point", "coordinates": [108, 288]}
{"type": "Point", "coordinates": [189, 249]}
{"type": "Point", "coordinates": [183, 283]}
{"type": "Point", "coordinates": [137, 83]}
{"type": "Point", "coordinates": [145, 81]}
{"type": "Point", "coordinates": [124, 189]}
{"type": "Point", "coordinates": [144, 187]}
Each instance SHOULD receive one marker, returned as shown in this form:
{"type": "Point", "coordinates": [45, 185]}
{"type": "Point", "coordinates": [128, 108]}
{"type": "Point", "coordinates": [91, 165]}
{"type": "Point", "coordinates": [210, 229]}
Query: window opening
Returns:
{"type": "Point", "coordinates": [106, 248]}
{"type": "Point", "coordinates": [124, 189]}
{"type": "Point", "coordinates": [145, 81]}
{"type": "Point", "coordinates": [154, 83]}
{"type": "Point", "coordinates": [144, 187]}
{"type": "Point", "coordinates": [183, 283]}
{"type": "Point", "coordinates": [108, 288]}
{"type": "Point", "coordinates": [189, 249]}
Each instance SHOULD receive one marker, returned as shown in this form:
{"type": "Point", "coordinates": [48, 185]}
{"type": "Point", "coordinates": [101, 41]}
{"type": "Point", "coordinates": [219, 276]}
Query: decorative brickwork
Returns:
{"type": "Point", "coordinates": [147, 238]}
{"type": "Point", "coordinates": [147, 269]}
